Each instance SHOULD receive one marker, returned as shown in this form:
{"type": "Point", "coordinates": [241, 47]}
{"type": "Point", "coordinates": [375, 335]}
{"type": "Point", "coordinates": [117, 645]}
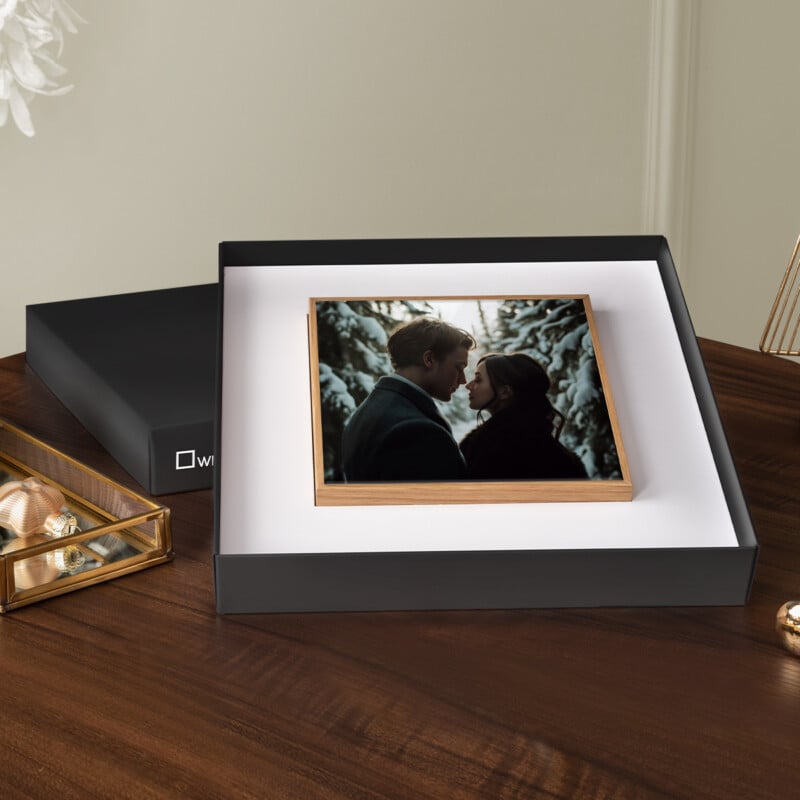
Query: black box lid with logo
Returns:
{"type": "Point", "coordinates": [138, 370]}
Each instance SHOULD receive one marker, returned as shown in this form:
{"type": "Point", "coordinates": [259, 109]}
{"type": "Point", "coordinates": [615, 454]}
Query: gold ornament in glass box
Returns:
{"type": "Point", "coordinates": [64, 526]}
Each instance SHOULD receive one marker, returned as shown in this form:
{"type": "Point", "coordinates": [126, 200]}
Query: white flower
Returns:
{"type": "Point", "coordinates": [27, 68]}
{"type": "Point", "coordinates": [7, 8]}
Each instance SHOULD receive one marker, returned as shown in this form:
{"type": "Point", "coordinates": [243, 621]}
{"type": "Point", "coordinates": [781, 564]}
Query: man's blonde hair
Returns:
{"type": "Point", "coordinates": [411, 340]}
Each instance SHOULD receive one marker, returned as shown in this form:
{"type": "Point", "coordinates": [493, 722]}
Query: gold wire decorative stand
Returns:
{"type": "Point", "coordinates": [783, 324]}
{"type": "Point", "coordinates": [116, 531]}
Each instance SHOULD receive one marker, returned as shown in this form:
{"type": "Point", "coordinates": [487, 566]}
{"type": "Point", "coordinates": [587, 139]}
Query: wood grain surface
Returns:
{"type": "Point", "coordinates": [137, 689]}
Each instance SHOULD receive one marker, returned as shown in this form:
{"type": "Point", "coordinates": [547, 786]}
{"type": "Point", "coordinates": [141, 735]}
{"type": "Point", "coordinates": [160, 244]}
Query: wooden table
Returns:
{"type": "Point", "coordinates": [136, 688]}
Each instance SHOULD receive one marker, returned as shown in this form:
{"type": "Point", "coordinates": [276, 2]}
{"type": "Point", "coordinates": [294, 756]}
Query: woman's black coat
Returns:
{"type": "Point", "coordinates": [513, 445]}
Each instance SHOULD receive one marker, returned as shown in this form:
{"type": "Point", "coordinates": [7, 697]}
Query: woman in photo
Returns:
{"type": "Point", "coordinates": [516, 442]}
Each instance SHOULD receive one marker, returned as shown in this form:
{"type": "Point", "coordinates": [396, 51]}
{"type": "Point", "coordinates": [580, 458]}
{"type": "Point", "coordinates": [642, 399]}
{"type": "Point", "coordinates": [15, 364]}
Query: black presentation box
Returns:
{"type": "Point", "coordinates": [266, 579]}
{"type": "Point", "coordinates": [138, 370]}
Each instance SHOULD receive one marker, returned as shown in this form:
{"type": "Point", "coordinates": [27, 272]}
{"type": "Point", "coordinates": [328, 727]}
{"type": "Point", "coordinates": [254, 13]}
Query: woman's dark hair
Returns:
{"type": "Point", "coordinates": [529, 385]}
{"type": "Point", "coordinates": [410, 341]}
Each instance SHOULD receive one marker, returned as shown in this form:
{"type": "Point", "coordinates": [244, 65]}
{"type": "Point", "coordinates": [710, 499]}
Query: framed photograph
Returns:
{"type": "Point", "coordinates": [521, 413]}
{"type": "Point", "coordinates": [317, 510]}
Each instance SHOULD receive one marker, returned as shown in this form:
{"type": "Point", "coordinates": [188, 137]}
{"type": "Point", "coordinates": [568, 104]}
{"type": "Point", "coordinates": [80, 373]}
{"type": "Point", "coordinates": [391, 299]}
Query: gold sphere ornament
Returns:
{"type": "Point", "coordinates": [787, 623]}
{"type": "Point", "coordinates": [29, 506]}
{"type": "Point", "coordinates": [36, 570]}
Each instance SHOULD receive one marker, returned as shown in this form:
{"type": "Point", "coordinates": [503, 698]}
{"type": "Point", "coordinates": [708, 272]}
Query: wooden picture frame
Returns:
{"type": "Point", "coordinates": [615, 485]}
{"type": "Point", "coordinates": [684, 539]}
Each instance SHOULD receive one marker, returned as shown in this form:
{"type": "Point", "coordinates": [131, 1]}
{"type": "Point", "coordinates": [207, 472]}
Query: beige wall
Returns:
{"type": "Point", "coordinates": [744, 202]}
{"type": "Point", "coordinates": [193, 122]}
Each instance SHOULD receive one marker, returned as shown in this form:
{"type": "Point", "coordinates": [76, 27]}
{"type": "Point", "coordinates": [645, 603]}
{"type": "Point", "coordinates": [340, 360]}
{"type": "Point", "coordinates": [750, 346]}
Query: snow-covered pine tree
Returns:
{"type": "Point", "coordinates": [352, 338]}
{"type": "Point", "coordinates": [556, 333]}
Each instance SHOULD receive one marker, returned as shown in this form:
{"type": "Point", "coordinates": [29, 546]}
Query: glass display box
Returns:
{"type": "Point", "coordinates": [64, 526]}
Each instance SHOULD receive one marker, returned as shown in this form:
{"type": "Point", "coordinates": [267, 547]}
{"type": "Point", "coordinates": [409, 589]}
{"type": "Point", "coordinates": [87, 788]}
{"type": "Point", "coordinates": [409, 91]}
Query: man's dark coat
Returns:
{"type": "Point", "coordinates": [398, 434]}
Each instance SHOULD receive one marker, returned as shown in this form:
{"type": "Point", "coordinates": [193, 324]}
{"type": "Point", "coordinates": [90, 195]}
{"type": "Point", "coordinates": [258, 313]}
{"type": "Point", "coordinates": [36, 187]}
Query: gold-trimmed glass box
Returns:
{"type": "Point", "coordinates": [64, 526]}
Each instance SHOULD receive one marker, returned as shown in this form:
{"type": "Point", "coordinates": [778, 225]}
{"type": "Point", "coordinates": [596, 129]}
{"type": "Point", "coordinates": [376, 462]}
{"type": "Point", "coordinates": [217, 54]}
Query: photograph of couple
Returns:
{"type": "Point", "coordinates": [461, 390]}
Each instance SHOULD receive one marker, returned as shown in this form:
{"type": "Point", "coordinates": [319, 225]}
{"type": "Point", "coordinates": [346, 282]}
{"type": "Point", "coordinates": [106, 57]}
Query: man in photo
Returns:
{"type": "Point", "coordinates": [397, 433]}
